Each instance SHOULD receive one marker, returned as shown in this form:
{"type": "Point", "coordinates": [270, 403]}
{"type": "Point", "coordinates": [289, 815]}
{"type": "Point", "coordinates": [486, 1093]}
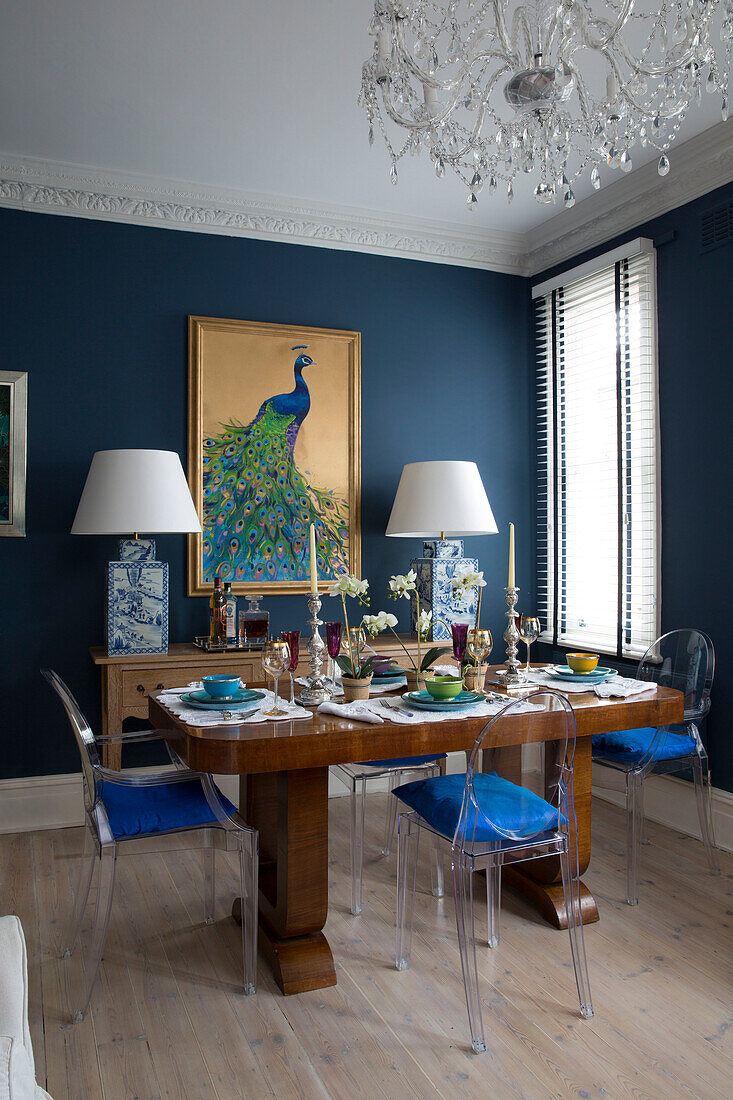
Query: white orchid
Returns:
{"type": "Point", "coordinates": [375, 624]}
{"type": "Point", "coordinates": [466, 580]}
{"type": "Point", "coordinates": [403, 585]}
{"type": "Point", "coordinates": [349, 585]}
{"type": "Point", "coordinates": [424, 623]}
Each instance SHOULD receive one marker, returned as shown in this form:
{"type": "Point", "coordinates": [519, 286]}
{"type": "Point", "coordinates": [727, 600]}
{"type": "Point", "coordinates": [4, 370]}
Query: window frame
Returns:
{"type": "Point", "coordinates": [548, 422]}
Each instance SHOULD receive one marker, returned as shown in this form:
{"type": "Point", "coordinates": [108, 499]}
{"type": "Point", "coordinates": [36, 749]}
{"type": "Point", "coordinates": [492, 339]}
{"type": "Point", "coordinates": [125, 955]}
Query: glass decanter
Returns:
{"type": "Point", "coordinates": [254, 624]}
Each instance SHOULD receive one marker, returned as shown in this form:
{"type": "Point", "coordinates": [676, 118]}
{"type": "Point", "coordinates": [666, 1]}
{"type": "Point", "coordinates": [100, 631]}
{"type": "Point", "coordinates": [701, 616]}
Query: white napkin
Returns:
{"type": "Point", "coordinates": [357, 711]}
{"type": "Point", "coordinates": [192, 716]}
{"type": "Point", "coordinates": [622, 687]}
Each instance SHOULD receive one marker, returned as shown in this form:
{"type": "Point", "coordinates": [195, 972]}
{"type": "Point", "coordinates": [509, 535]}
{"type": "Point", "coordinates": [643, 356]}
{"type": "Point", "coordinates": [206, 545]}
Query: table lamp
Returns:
{"type": "Point", "coordinates": [129, 491]}
{"type": "Point", "coordinates": [435, 500]}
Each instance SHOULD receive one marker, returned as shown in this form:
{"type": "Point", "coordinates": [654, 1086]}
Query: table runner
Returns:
{"type": "Point", "coordinates": [619, 687]}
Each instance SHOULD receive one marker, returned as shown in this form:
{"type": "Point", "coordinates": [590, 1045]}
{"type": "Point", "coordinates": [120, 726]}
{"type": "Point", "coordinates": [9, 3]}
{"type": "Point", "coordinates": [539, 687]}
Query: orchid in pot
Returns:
{"type": "Point", "coordinates": [357, 671]}
{"type": "Point", "coordinates": [402, 587]}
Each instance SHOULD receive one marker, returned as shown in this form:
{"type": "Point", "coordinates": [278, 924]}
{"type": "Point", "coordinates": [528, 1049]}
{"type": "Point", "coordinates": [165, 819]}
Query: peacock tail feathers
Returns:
{"type": "Point", "coordinates": [258, 506]}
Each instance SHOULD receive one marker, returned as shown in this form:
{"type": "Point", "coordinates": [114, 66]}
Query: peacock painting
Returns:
{"type": "Point", "coordinates": [258, 503]}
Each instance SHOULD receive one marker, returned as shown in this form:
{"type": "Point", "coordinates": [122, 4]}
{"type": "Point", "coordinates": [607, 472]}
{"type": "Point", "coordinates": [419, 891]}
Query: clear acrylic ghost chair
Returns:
{"type": "Point", "coordinates": [488, 822]}
{"type": "Point", "coordinates": [356, 778]}
{"type": "Point", "coordinates": [685, 660]}
{"type": "Point", "coordinates": [128, 814]}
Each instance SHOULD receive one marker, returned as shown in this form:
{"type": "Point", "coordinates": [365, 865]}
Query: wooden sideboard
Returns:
{"type": "Point", "coordinates": [127, 681]}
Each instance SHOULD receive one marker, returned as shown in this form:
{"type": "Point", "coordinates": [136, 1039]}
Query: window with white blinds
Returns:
{"type": "Point", "coordinates": [598, 530]}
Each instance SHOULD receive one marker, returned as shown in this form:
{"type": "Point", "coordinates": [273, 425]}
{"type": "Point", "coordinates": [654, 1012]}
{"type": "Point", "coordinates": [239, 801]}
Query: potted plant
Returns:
{"type": "Point", "coordinates": [356, 673]}
{"type": "Point", "coordinates": [402, 587]}
{"type": "Point", "coordinates": [479, 641]}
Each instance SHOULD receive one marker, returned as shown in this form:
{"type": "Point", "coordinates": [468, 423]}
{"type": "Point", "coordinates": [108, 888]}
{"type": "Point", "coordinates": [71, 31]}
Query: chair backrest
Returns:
{"type": "Point", "coordinates": [84, 737]}
{"type": "Point", "coordinates": [552, 721]}
{"type": "Point", "coordinates": [685, 660]}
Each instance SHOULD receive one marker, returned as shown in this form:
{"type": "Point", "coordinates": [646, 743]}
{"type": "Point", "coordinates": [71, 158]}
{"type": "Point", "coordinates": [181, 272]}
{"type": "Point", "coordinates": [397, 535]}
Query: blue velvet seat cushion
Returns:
{"type": "Point", "coordinates": [402, 762]}
{"type": "Point", "coordinates": [512, 808]}
{"type": "Point", "coordinates": [630, 745]}
{"type": "Point", "coordinates": [159, 808]}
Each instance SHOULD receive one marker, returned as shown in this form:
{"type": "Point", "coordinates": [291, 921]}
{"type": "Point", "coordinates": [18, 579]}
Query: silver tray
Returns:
{"type": "Point", "coordinates": [204, 643]}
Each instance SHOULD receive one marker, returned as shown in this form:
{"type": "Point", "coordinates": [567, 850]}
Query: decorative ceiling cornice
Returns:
{"type": "Point", "coordinates": [699, 166]}
{"type": "Point", "coordinates": [47, 187]}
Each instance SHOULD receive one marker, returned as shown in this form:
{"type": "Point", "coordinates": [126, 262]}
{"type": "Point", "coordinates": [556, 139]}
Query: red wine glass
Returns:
{"type": "Point", "coordinates": [333, 644]}
{"type": "Point", "coordinates": [292, 637]}
{"type": "Point", "coordinates": [460, 637]}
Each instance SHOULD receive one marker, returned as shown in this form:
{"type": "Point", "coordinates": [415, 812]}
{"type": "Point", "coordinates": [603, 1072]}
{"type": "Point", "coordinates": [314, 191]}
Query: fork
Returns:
{"type": "Point", "coordinates": [389, 706]}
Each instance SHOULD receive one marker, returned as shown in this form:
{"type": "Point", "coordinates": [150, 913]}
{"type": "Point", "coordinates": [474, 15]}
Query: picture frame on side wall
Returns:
{"type": "Point", "coordinates": [274, 444]}
{"type": "Point", "coordinates": [13, 448]}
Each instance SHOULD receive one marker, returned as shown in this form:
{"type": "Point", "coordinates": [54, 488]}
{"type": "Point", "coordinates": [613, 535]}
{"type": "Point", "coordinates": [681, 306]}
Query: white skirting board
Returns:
{"type": "Point", "coordinates": [670, 801]}
{"type": "Point", "coordinates": [55, 801]}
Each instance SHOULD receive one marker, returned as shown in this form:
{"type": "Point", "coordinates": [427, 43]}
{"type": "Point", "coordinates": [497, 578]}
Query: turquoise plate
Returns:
{"type": "Point", "coordinates": [399, 675]}
{"type": "Point", "coordinates": [425, 701]}
{"type": "Point", "coordinates": [234, 702]}
{"type": "Point", "coordinates": [597, 676]}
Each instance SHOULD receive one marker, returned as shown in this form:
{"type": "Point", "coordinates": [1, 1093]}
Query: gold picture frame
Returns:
{"type": "Point", "coordinates": [274, 443]}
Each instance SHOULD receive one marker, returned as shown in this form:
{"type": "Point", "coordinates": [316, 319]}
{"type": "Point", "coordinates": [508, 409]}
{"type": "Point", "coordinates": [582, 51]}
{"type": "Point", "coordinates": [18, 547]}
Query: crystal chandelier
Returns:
{"type": "Point", "coordinates": [550, 88]}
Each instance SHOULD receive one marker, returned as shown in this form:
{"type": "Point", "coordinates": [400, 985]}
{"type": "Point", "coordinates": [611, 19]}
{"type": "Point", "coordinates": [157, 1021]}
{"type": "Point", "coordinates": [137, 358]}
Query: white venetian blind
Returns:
{"type": "Point", "coordinates": [598, 461]}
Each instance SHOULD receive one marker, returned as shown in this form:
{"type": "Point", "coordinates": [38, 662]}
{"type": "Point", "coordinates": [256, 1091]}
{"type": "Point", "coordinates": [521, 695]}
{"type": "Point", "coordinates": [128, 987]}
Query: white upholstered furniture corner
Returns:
{"type": "Point", "coordinates": [17, 1069]}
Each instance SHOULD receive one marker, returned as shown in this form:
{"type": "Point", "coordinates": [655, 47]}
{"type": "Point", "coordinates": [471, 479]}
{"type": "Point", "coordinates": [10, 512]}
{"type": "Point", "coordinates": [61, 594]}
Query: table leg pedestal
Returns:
{"type": "Point", "coordinates": [548, 897]}
{"type": "Point", "coordinates": [540, 880]}
{"type": "Point", "coordinates": [290, 812]}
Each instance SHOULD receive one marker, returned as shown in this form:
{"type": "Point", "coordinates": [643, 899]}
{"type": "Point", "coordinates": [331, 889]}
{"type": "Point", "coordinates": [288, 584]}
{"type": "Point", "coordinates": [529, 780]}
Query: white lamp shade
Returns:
{"type": "Point", "coordinates": [437, 497]}
{"type": "Point", "coordinates": [135, 491]}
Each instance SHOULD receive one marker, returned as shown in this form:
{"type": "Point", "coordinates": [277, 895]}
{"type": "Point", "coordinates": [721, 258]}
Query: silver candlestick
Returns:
{"type": "Point", "coordinates": [317, 688]}
{"type": "Point", "coordinates": [513, 674]}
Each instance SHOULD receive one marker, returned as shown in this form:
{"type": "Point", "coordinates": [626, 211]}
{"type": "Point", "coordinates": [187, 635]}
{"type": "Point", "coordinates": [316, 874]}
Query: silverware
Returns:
{"type": "Point", "coordinates": [389, 706]}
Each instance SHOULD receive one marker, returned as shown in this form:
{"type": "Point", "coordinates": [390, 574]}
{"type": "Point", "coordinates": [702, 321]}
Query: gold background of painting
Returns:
{"type": "Point", "coordinates": [233, 367]}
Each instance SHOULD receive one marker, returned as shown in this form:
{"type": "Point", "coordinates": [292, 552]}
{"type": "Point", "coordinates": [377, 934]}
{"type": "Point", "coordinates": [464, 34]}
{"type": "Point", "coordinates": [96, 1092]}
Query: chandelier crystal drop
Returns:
{"type": "Point", "coordinates": [548, 88]}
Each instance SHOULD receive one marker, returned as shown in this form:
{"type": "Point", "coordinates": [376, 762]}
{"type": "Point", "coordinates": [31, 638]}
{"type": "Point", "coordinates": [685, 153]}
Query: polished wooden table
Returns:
{"type": "Point", "coordinates": [128, 681]}
{"type": "Point", "coordinates": [284, 794]}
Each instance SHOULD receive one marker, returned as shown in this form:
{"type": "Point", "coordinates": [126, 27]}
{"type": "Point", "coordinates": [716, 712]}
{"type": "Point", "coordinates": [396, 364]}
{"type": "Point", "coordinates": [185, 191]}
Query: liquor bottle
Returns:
{"type": "Point", "coordinates": [254, 624]}
{"type": "Point", "coordinates": [217, 615]}
{"type": "Point", "coordinates": [231, 613]}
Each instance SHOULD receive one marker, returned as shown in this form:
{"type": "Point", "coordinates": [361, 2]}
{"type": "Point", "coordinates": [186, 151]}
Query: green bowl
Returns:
{"type": "Point", "coordinates": [444, 687]}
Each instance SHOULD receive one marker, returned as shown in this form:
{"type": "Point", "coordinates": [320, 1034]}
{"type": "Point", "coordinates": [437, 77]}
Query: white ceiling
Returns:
{"type": "Point", "coordinates": [259, 97]}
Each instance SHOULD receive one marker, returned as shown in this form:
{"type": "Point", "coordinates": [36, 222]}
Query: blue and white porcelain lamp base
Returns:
{"type": "Point", "coordinates": [443, 560]}
{"type": "Point", "coordinates": [137, 601]}
{"type": "Point", "coordinates": [136, 489]}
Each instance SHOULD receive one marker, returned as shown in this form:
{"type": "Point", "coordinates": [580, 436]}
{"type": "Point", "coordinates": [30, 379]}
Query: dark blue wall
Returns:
{"type": "Point", "coordinates": [96, 313]}
{"type": "Point", "coordinates": [696, 396]}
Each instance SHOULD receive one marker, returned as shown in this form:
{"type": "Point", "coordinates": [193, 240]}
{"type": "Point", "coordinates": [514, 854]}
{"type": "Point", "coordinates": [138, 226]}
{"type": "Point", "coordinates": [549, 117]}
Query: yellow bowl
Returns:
{"type": "Point", "coordinates": [582, 662]}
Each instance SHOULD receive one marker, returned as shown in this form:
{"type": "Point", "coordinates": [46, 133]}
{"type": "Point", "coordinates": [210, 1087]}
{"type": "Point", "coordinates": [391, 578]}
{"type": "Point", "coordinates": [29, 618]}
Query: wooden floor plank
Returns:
{"type": "Point", "coordinates": [168, 1017]}
{"type": "Point", "coordinates": [72, 1055]}
{"type": "Point", "coordinates": [282, 1061]}
{"type": "Point", "coordinates": [180, 1066]}
{"type": "Point", "coordinates": [125, 1060]}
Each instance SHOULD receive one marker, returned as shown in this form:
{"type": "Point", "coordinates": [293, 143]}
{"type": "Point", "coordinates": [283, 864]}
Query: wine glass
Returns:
{"type": "Point", "coordinates": [275, 659]}
{"type": "Point", "coordinates": [333, 644]}
{"type": "Point", "coordinates": [529, 631]}
{"type": "Point", "coordinates": [460, 637]}
{"type": "Point", "coordinates": [292, 637]}
{"type": "Point", "coordinates": [479, 644]}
